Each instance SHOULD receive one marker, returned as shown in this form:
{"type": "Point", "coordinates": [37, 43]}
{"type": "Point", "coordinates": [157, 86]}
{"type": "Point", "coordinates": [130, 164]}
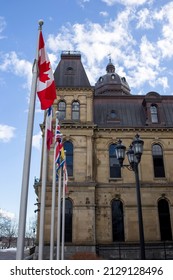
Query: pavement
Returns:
{"type": "Point", "coordinates": [10, 254]}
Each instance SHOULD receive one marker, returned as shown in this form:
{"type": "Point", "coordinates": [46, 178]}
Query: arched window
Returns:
{"type": "Point", "coordinates": [115, 169]}
{"type": "Point", "coordinates": [158, 163]}
{"type": "Point", "coordinates": [117, 221]}
{"type": "Point", "coordinates": [68, 220]}
{"type": "Point", "coordinates": [68, 147]}
{"type": "Point", "coordinates": [75, 111]}
{"type": "Point", "coordinates": [154, 114]}
{"type": "Point", "coordinates": [62, 110]}
{"type": "Point", "coordinates": [164, 220]}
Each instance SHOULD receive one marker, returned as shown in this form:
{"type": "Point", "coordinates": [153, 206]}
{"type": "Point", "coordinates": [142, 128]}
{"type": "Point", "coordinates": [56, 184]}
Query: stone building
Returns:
{"type": "Point", "coordinates": [101, 204]}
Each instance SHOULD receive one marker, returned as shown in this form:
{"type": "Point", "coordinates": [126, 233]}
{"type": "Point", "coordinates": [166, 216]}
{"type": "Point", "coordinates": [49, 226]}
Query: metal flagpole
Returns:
{"type": "Point", "coordinates": [27, 161]}
{"type": "Point", "coordinates": [53, 198]}
{"type": "Point", "coordinates": [59, 214]}
{"type": "Point", "coordinates": [43, 195]}
{"type": "Point", "coordinates": [53, 209]}
{"type": "Point", "coordinates": [63, 213]}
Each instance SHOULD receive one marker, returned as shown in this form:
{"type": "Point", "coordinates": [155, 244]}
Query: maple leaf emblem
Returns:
{"type": "Point", "coordinates": [43, 68]}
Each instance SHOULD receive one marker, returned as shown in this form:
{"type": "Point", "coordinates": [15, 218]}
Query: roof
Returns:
{"type": "Point", "coordinates": [70, 71]}
{"type": "Point", "coordinates": [129, 111]}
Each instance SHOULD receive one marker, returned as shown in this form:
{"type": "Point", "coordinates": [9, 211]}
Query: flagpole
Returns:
{"type": "Point", "coordinates": [52, 230]}
{"type": "Point", "coordinates": [59, 214]}
{"type": "Point", "coordinates": [27, 160]}
{"type": "Point", "coordinates": [63, 212]}
{"type": "Point", "coordinates": [43, 195]}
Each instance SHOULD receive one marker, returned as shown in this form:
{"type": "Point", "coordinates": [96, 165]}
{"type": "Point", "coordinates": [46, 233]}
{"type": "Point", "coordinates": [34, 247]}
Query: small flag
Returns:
{"type": "Point", "coordinates": [58, 148]}
{"type": "Point", "coordinates": [65, 176]}
{"type": "Point", "coordinates": [49, 127]}
{"type": "Point", "coordinates": [46, 89]}
{"type": "Point", "coordinates": [58, 134]}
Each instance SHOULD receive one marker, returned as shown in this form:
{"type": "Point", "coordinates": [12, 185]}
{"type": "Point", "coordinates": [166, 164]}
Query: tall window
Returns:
{"type": "Point", "coordinates": [68, 147]}
{"type": "Point", "coordinates": [164, 220]}
{"type": "Point", "coordinates": [75, 111]}
{"type": "Point", "coordinates": [68, 220]}
{"type": "Point", "coordinates": [158, 163]}
{"type": "Point", "coordinates": [115, 169]}
{"type": "Point", "coordinates": [154, 114]}
{"type": "Point", "coordinates": [117, 221]}
{"type": "Point", "coordinates": [62, 110]}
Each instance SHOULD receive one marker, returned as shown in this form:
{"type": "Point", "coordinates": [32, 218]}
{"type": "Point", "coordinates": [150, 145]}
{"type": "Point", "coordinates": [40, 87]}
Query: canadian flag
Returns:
{"type": "Point", "coordinates": [46, 89]}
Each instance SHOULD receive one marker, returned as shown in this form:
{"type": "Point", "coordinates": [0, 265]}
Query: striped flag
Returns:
{"type": "Point", "coordinates": [59, 150]}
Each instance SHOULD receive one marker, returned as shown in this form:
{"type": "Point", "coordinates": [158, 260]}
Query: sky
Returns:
{"type": "Point", "coordinates": [136, 34]}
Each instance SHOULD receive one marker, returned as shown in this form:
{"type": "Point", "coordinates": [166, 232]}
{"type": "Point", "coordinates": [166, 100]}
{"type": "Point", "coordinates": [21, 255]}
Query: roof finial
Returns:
{"type": "Point", "coordinates": [109, 55]}
{"type": "Point", "coordinates": [40, 22]}
{"type": "Point", "coordinates": [110, 68]}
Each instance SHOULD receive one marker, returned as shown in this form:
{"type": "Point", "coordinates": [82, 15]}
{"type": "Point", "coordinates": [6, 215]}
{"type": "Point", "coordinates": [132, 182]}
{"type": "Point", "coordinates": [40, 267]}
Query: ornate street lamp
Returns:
{"type": "Point", "coordinates": [134, 154]}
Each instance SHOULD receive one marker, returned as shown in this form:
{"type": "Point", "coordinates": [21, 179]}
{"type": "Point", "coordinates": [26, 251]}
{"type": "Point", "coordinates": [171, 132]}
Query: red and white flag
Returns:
{"type": "Point", "coordinates": [46, 89]}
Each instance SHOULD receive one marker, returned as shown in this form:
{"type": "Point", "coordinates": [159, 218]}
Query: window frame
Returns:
{"type": "Point", "coordinates": [62, 111]}
{"type": "Point", "coordinates": [158, 161]}
{"type": "Point", "coordinates": [69, 157]}
{"type": "Point", "coordinates": [114, 167]}
{"type": "Point", "coordinates": [75, 111]}
{"type": "Point", "coordinates": [154, 113]}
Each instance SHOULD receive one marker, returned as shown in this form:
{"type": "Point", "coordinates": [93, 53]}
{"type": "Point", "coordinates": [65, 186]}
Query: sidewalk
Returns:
{"type": "Point", "coordinates": [10, 254]}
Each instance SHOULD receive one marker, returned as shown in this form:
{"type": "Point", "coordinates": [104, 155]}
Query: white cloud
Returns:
{"type": "Point", "coordinates": [20, 67]}
{"type": "Point", "coordinates": [82, 2]}
{"type": "Point", "coordinates": [2, 26]}
{"type": "Point", "coordinates": [6, 133]}
{"type": "Point", "coordinates": [37, 140]}
{"type": "Point", "coordinates": [126, 2]}
{"type": "Point", "coordinates": [145, 20]}
{"type": "Point", "coordinates": [95, 41]}
{"type": "Point", "coordinates": [149, 53]}
{"type": "Point", "coordinates": [165, 42]}
{"type": "Point", "coordinates": [104, 14]}
{"type": "Point", "coordinates": [140, 58]}
{"type": "Point", "coordinates": [6, 214]}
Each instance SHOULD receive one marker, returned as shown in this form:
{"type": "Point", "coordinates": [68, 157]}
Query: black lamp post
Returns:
{"type": "Point", "coordinates": [134, 154]}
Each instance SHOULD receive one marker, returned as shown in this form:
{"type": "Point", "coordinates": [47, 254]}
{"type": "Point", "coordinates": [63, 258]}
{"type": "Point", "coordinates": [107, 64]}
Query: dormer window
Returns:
{"type": "Point", "coordinates": [113, 77]}
{"type": "Point", "coordinates": [69, 71]}
{"type": "Point", "coordinates": [154, 113]}
{"type": "Point", "coordinates": [100, 79]}
{"type": "Point", "coordinates": [113, 114]}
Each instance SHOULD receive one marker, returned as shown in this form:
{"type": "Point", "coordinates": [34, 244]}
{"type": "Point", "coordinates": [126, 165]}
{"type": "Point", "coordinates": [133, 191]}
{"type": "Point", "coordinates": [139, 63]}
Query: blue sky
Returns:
{"type": "Point", "coordinates": [138, 35]}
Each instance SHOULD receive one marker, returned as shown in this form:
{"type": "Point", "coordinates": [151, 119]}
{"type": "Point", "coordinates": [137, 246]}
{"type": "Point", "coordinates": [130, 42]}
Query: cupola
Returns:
{"type": "Point", "coordinates": [111, 83]}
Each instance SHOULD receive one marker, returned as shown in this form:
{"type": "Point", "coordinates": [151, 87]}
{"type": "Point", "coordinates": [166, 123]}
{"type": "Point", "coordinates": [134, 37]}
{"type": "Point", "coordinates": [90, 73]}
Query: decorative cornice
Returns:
{"type": "Point", "coordinates": [139, 129]}
{"type": "Point", "coordinates": [74, 88]}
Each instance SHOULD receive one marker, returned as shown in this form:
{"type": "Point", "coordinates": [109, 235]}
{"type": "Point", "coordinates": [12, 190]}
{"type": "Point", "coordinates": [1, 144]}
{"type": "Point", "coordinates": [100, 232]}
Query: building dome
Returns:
{"type": "Point", "coordinates": [111, 83]}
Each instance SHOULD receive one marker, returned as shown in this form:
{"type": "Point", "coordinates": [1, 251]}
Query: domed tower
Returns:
{"type": "Point", "coordinates": [111, 83]}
